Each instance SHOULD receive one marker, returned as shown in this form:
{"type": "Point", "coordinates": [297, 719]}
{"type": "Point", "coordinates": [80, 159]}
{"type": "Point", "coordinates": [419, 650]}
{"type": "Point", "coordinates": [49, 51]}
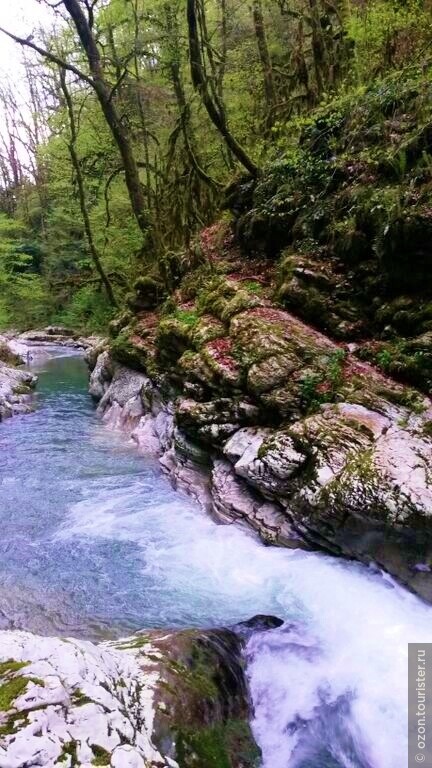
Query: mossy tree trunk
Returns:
{"type": "Point", "coordinates": [266, 63]}
{"type": "Point", "coordinates": [81, 189]}
{"type": "Point", "coordinates": [208, 94]}
{"type": "Point", "coordinates": [117, 127]}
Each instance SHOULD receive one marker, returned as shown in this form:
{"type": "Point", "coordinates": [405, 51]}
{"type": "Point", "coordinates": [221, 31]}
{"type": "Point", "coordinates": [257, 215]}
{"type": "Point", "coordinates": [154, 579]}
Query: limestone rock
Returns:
{"type": "Point", "coordinates": [213, 422]}
{"type": "Point", "coordinates": [268, 460]}
{"type": "Point", "coordinates": [152, 700]}
{"type": "Point", "coordinates": [270, 372]}
{"type": "Point", "coordinates": [15, 391]}
{"type": "Point", "coordinates": [233, 499]}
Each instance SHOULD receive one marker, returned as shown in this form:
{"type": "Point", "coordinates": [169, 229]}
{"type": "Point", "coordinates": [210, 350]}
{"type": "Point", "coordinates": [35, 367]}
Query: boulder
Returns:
{"type": "Point", "coordinates": [267, 459]}
{"type": "Point", "coordinates": [214, 421]}
{"type": "Point", "coordinates": [158, 699]}
{"type": "Point", "coordinates": [16, 387]}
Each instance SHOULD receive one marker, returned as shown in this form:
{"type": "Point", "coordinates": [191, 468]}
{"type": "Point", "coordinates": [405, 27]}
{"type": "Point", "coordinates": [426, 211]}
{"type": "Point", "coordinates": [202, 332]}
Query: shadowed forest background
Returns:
{"type": "Point", "coordinates": [142, 115]}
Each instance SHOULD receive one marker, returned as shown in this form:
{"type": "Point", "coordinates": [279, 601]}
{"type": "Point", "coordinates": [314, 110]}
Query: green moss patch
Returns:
{"type": "Point", "coordinates": [215, 747]}
{"type": "Point", "coordinates": [10, 690]}
{"type": "Point", "coordinates": [101, 755]}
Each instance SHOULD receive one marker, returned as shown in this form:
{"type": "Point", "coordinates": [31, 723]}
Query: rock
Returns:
{"type": "Point", "coordinates": [16, 388]}
{"type": "Point", "coordinates": [234, 500]}
{"type": "Point", "coordinates": [101, 376]}
{"type": "Point", "coordinates": [190, 450]}
{"type": "Point", "coordinates": [271, 372]}
{"type": "Point", "coordinates": [213, 422]}
{"type": "Point", "coordinates": [307, 444]}
{"type": "Point", "coordinates": [218, 356]}
{"type": "Point", "coordinates": [206, 700]}
{"type": "Point", "coordinates": [95, 348]}
{"type": "Point", "coordinates": [153, 700]}
{"type": "Point", "coordinates": [8, 354]}
{"type": "Point", "coordinates": [130, 349]}
{"type": "Point", "coordinates": [53, 334]}
{"type": "Point", "coordinates": [267, 459]}
{"type": "Point", "coordinates": [259, 623]}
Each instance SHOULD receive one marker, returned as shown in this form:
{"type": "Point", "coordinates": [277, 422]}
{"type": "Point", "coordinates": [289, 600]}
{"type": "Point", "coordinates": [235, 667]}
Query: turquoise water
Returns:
{"type": "Point", "coordinates": [95, 543]}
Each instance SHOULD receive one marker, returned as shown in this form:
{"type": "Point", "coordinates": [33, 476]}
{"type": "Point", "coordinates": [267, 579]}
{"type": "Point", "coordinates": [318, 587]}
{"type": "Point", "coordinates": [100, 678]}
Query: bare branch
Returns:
{"type": "Point", "coordinates": [28, 43]}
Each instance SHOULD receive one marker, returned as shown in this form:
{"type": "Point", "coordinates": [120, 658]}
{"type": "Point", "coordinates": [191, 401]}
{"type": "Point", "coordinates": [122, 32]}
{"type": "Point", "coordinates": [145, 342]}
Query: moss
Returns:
{"type": "Point", "coordinates": [149, 292]}
{"type": "Point", "coordinates": [214, 297]}
{"type": "Point", "coordinates": [253, 286]}
{"type": "Point", "coordinates": [215, 747]}
{"type": "Point", "coordinates": [14, 722]}
{"type": "Point", "coordinates": [361, 477]}
{"type": "Point", "coordinates": [196, 281]}
{"type": "Point", "coordinates": [205, 748]}
{"type": "Point", "coordinates": [187, 317]}
{"type": "Point", "coordinates": [101, 755]}
{"type": "Point", "coordinates": [70, 750]}
{"type": "Point", "coordinates": [427, 428]}
{"type": "Point", "coordinates": [21, 389]}
{"type": "Point", "coordinates": [196, 677]}
{"type": "Point", "coordinates": [79, 698]}
{"type": "Point", "coordinates": [125, 351]}
{"type": "Point", "coordinates": [10, 690]}
{"type": "Point", "coordinates": [139, 641]}
{"type": "Point", "coordinates": [324, 386]}
{"type": "Point", "coordinates": [9, 357]}
{"type": "Point", "coordinates": [240, 301]}
{"type": "Point", "coordinates": [12, 666]}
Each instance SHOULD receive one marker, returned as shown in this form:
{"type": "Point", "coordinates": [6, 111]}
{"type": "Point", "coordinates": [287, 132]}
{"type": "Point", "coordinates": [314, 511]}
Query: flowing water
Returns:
{"type": "Point", "coordinates": [95, 543]}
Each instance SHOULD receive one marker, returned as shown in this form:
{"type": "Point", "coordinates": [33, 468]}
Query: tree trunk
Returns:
{"type": "Point", "coordinates": [200, 83]}
{"type": "Point", "coordinates": [118, 130]}
{"type": "Point", "coordinates": [269, 86]}
{"type": "Point", "coordinates": [81, 190]}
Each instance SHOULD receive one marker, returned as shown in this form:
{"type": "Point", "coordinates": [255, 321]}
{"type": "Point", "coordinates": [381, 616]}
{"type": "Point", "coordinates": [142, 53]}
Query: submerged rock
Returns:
{"type": "Point", "coordinates": [156, 700]}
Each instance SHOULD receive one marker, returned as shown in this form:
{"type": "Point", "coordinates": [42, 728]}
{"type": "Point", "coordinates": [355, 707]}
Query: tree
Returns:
{"type": "Point", "coordinates": [81, 189]}
{"type": "Point", "coordinates": [105, 95]}
{"type": "Point", "coordinates": [200, 81]}
{"type": "Point", "coordinates": [269, 85]}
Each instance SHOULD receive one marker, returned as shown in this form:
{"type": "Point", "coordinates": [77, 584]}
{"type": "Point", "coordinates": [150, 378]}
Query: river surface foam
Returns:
{"type": "Point", "coordinates": [96, 543]}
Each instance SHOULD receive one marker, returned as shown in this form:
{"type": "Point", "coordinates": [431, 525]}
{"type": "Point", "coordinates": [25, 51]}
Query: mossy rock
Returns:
{"type": "Point", "coordinates": [174, 337]}
{"type": "Point", "coordinates": [215, 297]}
{"type": "Point", "coordinates": [7, 356]}
{"type": "Point", "coordinates": [206, 704]}
{"type": "Point", "coordinates": [149, 292]}
{"type": "Point", "coordinates": [130, 350]}
{"type": "Point", "coordinates": [207, 329]}
{"type": "Point", "coordinates": [120, 322]}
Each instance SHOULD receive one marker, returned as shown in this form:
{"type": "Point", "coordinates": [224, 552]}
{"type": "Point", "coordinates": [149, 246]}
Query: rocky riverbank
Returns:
{"type": "Point", "coordinates": [17, 349]}
{"type": "Point", "coordinates": [156, 700]}
{"type": "Point", "coordinates": [16, 386]}
{"type": "Point", "coordinates": [265, 419]}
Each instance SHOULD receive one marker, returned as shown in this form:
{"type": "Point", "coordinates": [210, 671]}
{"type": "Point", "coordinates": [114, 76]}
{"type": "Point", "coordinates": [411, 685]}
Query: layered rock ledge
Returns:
{"type": "Point", "coordinates": [158, 699]}
{"type": "Point", "coordinates": [16, 385]}
{"type": "Point", "coordinates": [266, 420]}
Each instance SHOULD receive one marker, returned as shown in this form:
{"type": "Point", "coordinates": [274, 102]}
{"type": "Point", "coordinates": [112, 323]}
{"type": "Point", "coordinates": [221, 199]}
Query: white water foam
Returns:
{"type": "Point", "coordinates": [329, 687]}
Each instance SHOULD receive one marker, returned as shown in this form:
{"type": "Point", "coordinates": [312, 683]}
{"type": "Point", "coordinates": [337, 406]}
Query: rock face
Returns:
{"type": "Point", "coordinates": [55, 334]}
{"type": "Point", "coordinates": [15, 385]}
{"type": "Point", "coordinates": [268, 421]}
{"type": "Point", "coordinates": [156, 700]}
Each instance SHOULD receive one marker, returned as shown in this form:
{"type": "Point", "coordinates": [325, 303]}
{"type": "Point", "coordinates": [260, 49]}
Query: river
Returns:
{"type": "Point", "coordinates": [95, 543]}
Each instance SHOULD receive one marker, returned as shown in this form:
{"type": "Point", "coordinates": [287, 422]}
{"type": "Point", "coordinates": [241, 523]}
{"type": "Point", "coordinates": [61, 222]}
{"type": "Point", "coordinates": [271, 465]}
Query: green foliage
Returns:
{"type": "Point", "coordinates": [253, 286]}
{"type": "Point", "coordinates": [348, 81]}
{"type": "Point", "coordinates": [324, 386]}
{"type": "Point", "coordinates": [101, 755]}
{"type": "Point", "coordinates": [187, 317]}
{"type": "Point", "coordinates": [87, 311]}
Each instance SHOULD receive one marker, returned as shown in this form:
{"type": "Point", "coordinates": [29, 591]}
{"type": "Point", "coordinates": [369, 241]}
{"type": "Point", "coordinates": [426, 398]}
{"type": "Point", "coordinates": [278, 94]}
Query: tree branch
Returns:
{"type": "Point", "coordinates": [27, 41]}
